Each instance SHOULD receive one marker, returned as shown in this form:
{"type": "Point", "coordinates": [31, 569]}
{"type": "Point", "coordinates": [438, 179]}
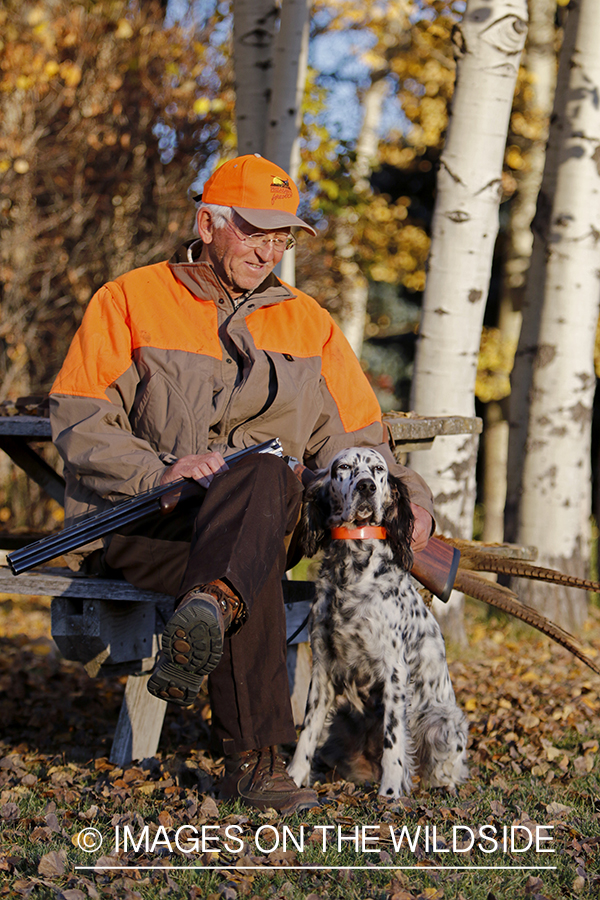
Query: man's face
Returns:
{"type": "Point", "coordinates": [238, 266]}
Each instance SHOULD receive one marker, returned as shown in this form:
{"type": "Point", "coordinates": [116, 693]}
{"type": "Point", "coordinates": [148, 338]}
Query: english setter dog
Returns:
{"type": "Point", "coordinates": [370, 628]}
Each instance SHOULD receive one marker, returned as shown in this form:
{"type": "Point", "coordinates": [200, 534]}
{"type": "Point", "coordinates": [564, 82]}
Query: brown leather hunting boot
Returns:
{"type": "Point", "coordinates": [192, 642]}
{"type": "Point", "coordinates": [259, 778]}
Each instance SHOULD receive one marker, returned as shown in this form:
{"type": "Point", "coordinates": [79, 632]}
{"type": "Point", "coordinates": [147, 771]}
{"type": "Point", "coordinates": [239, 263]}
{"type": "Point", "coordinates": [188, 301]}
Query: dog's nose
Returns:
{"type": "Point", "coordinates": [366, 486]}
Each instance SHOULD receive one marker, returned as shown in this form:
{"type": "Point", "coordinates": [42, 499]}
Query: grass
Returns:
{"type": "Point", "coordinates": [533, 754]}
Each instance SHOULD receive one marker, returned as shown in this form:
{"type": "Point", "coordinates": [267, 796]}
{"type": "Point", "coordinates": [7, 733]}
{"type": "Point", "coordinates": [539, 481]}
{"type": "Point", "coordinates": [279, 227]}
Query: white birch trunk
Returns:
{"type": "Point", "coordinates": [540, 63]}
{"type": "Point", "coordinates": [556, 487]}
{"type": "Point", "coordinates": [253, 32]}
{"type": "Point", "coordinates": [282, 139]}
{"type": "Point", "coordinates": [355, 286]}
{"type": "Point", "coordinates": [465, 224]}
{"type": "Point", "coordinates": [534, 296]}
{"type": "Point", "coordinates": [290, 62]}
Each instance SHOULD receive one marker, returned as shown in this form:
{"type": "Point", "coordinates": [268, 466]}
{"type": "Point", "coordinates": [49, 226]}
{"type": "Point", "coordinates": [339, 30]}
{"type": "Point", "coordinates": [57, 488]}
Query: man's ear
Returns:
{"type": "Point", "coordinates": [205, 224]}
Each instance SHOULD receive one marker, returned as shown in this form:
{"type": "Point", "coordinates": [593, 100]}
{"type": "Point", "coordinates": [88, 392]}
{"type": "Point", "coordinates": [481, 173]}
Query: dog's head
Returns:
{"type": "Point", "coordinates": [358, 490]}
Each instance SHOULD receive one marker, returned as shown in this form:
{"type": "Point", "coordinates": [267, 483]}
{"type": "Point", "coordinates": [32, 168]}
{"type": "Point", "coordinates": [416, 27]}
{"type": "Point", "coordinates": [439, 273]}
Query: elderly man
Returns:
{"type": "Point", "coordinates": [176, 366]}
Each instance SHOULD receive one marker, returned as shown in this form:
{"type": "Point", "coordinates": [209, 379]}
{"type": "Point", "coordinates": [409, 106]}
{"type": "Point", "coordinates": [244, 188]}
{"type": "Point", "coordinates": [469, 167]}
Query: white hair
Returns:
{"type": "Point", "coordinates": [220, 214]}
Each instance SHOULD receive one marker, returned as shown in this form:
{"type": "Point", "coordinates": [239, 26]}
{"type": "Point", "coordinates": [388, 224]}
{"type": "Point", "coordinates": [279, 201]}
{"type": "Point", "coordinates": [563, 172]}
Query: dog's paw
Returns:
{"type": "Point", "coordinates": [299, 770]}
{"type": "Point", "coordinates": [448, 773]}
{"type": "Point", "coordinates": [398, 785]}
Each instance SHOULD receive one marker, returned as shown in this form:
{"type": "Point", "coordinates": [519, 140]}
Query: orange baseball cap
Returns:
{"type": "Point", "coordinates": [258, 190]}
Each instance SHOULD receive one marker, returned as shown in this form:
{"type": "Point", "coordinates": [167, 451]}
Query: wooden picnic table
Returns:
{"type": "Point", "coordinates": [19, 430]}
{"type": "Point", "coordinates": [113, 628]}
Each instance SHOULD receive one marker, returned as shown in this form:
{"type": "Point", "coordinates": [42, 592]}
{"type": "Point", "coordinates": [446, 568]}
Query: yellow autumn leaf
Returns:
{"type": "Point", "coordinates": [432, 893]}
{"type": "Point", "coordinates": [24, 82]}
{"type": "Point", "coordinates": [148, 788]}
{"type": "Point", "coordinates": [201, 106]}
{"type": "Point", "coordinates": [70, 73]}
{"type": "Point", "coordinates": [35, 16]}
{"type": "Point", "coordinates": [553, 753]}
{"type": "Point", "coordinates": [124, 30]}
{"type": "Point", "coordinates": [529, 721]}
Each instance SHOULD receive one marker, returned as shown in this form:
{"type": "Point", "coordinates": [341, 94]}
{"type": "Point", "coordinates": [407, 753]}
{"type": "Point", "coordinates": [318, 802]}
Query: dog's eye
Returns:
{"type": "Point", "coordinates": [380, 468]}
{"type": "Point", "coordinates": [343, 467]}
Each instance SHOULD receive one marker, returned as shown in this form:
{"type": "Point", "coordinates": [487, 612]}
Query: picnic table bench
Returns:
{"type": "Point", "coordinates": [113, 628]}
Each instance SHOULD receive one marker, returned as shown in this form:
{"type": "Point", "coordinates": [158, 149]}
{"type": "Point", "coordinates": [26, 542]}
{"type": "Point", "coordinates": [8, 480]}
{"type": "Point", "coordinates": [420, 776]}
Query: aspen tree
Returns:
{"type": "Point", "coordinates": [531, 122]}
{"type": "Point", "coordinates": [489, 42]}
{"type": "Point", "coordinates": [556, 478]}
{"type": "Point", "coordinates": [290, 64]}
{"type": "Point", "coordinates": [254, 24]}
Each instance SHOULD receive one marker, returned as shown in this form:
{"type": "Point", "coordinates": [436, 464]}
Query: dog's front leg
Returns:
{"type": "Point", "coordinates": [321, 695]}
{"type": "Point", "coordinates": [397, 761]}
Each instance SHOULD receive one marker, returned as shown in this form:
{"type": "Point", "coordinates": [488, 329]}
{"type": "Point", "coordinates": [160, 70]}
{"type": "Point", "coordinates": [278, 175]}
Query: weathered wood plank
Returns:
{"type": "Point", "coordinates": [411, 427]}
{"type": "Point", "coordinates": [140, 723]}
{"type": "Point", "coordinates": [31, 427]}
{"type": "Point", "coordinates": [55, 582]}
{"type": "Point", "coordinates": [404, 426]}
{"type": "Point", "coordinates": [299, 666]}
{"type": "Point", "coordinates": [95, 632]}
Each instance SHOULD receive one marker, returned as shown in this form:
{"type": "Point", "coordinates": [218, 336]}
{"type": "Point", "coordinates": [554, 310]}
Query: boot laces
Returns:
{"type": "Point", "coordinates": [267, 761]}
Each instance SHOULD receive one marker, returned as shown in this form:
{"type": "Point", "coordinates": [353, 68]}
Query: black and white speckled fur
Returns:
{"type": "Point", "coordinates": [369, 627]}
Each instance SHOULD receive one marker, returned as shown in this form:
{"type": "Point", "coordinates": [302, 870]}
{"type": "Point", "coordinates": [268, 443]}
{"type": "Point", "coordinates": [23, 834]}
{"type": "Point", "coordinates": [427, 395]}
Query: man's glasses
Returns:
{"type": "Point", "coordinates": [261, 239]}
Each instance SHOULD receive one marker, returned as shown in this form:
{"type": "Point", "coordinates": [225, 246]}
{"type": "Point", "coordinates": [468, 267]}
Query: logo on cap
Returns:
{"type": "Point", "coordinates": [280, 189]}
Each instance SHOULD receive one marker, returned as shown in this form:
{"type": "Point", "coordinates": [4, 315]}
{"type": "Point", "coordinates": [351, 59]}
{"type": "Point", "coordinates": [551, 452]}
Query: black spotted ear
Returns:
{"type": "Point", "coordinates": [315, 513]}
{"type": "Point", "coordinates": [399, 523]}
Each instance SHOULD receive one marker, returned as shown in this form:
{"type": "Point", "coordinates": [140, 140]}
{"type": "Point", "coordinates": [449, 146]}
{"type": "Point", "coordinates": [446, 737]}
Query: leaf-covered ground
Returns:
{"type": "Point", "coordinates": [533, 758]}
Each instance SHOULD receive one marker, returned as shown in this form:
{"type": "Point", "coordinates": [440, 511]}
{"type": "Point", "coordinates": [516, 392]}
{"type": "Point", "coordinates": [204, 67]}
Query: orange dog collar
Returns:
{"type": "Point", "coordinates": [341, 533]}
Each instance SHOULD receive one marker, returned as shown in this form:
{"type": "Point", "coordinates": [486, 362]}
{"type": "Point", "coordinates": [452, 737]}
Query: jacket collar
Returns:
{"type": "Point", "coordinates": [200, 278]}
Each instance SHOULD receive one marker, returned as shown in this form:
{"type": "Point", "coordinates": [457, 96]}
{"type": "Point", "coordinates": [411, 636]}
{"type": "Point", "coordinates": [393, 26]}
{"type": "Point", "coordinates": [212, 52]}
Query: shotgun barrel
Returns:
{"type": "Point", "coordinates": [120, 514]}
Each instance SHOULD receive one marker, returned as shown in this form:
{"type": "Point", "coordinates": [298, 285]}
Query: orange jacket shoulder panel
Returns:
{"type": "Point", "coordinates": [302, 328]}
{"type": "Point", "coordinates": [147, 307]}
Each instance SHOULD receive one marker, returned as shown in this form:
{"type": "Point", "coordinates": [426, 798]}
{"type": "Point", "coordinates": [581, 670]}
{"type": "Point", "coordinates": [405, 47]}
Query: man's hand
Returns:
{"type": "Point", "coordinates": [202, 467]}
{"type": "Point", "coordinates": [422, 529]}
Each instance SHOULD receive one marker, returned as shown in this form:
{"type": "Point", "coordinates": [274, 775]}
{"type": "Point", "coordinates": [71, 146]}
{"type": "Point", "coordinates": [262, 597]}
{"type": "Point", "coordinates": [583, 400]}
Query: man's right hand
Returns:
{"type": "Point", "coordinates": [202, 467]}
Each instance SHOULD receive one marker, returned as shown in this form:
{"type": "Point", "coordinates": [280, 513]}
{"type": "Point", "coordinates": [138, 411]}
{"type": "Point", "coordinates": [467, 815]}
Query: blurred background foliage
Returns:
{"type": "Point", "coordinates": [110, 111]}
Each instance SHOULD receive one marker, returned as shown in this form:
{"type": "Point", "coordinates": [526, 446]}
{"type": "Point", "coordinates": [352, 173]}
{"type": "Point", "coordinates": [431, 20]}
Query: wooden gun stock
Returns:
{"type": "Point", "coordinates": [435, 567]}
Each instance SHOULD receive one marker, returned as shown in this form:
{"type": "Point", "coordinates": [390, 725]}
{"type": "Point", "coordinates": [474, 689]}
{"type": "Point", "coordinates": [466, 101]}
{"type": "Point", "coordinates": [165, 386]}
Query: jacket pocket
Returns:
{"type": "Point", "coordinates": [168, 419]}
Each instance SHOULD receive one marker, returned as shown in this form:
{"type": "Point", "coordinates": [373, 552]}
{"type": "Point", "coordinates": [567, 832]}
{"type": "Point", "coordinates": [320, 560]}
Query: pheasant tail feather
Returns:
{"type": "Point", "coordinates": [502, 598]}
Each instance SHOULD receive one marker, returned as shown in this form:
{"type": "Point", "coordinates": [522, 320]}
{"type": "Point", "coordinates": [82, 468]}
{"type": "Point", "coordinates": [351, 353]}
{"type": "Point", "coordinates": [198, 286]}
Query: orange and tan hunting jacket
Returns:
{"type": "Point", "coordinates": [164, 366]}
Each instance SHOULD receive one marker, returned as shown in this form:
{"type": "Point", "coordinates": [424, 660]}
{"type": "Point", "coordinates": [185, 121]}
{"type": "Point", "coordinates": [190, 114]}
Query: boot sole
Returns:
{"type": "Point", "coordinates": [192, 645]}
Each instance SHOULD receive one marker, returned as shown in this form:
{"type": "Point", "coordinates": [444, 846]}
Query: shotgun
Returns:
{"type": "Point", "coordinates": [163, 498]}
{"type": "Point", "coordinates": [435, 567]}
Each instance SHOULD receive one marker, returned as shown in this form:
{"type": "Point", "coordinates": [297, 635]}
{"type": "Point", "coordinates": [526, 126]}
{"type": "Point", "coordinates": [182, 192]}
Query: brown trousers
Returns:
{"type": "Point", "coordinates": [238, 535]}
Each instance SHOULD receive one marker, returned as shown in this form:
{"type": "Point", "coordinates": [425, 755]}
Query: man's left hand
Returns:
{"type": "Point", "coordinates": [422, 529]}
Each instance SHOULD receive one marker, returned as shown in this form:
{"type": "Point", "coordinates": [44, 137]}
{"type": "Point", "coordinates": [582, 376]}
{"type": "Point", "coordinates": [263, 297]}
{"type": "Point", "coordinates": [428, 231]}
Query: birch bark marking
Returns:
{"type": "Point", "coordinates": [540, 63]}
{"type": "Point", "coordinates": [533, 300]}
{"type": "Point", "coordinates": [253, 29]}
{"type": "Point", "coordinates": [556, 489]}
{"type": "Point", "coordinates": [489, 43]}
{"type": "Point", "coordinates": [290, 64]}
